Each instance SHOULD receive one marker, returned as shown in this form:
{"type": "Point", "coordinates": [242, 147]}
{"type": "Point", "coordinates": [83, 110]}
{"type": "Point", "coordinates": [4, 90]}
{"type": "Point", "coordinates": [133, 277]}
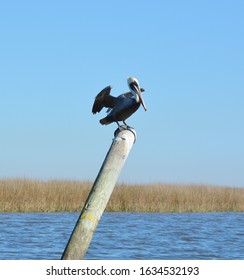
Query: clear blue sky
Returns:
{"type": "Point", "coordinates": [55, 56]}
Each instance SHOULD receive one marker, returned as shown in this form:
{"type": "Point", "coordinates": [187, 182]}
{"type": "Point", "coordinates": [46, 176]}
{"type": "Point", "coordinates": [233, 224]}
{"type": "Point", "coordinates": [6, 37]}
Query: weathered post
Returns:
{"type": "Point", "coordinates": [99, 195]}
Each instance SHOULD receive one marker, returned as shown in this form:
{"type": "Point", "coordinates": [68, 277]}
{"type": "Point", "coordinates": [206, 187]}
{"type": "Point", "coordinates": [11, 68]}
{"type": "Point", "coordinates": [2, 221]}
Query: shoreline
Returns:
{"type": "Point", "coordinates": [28, 195]}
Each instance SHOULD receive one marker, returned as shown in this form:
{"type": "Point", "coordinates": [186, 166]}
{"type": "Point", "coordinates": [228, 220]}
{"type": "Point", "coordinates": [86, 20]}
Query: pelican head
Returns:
{"type": "Point", "coordinates": [136, 90]}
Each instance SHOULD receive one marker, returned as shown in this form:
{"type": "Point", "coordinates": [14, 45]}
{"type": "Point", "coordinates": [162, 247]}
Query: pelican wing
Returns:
{"type": "Point", "coordinates": [129, 94]}
{"type": "Point", "coordinates": [126, 94]}
{"type": "Point", "coordinates": [103, 99]}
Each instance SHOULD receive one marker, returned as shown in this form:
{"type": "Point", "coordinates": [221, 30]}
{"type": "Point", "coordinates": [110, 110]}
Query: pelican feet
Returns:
{"type": "Point", "coordinates": [124, 127]}
{"type": "Point", "coordinates": [119, 129]}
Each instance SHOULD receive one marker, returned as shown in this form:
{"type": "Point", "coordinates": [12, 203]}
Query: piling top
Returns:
{"type": "Point", "coordinates": [125, 128]}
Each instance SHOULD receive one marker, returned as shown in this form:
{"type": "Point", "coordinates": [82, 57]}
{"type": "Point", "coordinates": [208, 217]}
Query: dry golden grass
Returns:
{"type": "Point", "coordinates": [24, 195]}
{"type": "Point", "coordinates": [176, 198]}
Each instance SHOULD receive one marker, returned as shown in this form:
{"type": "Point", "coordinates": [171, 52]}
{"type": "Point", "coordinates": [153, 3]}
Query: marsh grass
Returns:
{"type": "Point", "coordinates": [22, 195]}
{"type": "Point", "coordinates": [25, 195]}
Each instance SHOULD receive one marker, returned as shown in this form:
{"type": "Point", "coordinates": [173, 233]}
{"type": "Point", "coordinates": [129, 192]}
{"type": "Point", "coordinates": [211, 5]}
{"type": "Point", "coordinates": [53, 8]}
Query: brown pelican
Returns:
{"type": "Point", "coordinates": [121, 107]}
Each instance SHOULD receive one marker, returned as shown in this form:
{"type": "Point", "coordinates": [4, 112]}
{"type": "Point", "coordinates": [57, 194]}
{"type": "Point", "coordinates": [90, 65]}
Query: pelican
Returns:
{"type": "Point", "coordinates": [122, 107]}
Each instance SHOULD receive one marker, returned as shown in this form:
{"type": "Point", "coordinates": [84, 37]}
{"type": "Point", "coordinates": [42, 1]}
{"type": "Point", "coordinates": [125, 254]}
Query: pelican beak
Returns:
{"type": "Point", "coordinates": [141, 100]}
{"type": "Point", "coordinates": [134, 87]}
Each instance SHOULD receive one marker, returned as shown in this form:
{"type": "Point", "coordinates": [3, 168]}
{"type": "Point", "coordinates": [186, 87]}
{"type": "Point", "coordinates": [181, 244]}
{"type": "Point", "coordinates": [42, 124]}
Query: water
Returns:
{"type": "Point", "coordinates": [126, 236]}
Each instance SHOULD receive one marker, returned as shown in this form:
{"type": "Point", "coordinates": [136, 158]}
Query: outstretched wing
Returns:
{"type": "Point", "coordinates": [103, 99]}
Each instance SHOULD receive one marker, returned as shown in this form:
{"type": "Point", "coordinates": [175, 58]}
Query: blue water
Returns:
{"type": "Point", "coordinates": [203, 236]}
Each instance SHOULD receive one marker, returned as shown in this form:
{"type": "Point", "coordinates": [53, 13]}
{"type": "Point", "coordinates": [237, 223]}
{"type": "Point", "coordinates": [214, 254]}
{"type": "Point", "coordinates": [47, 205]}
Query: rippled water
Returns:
{"type": "Point", "coordinates": [126, 236]}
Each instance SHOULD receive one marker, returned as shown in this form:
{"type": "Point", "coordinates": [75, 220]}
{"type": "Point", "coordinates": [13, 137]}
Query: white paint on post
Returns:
{"type": "Point", "coordinates": [99, 195]}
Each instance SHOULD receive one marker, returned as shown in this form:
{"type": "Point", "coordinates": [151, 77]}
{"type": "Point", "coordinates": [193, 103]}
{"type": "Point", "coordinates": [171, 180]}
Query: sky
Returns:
{"type": "Point", "coordinates": [55, 56]}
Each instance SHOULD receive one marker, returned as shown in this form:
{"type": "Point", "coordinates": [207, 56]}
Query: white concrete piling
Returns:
{"type": "Point", "coordinates": [99, 195]}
